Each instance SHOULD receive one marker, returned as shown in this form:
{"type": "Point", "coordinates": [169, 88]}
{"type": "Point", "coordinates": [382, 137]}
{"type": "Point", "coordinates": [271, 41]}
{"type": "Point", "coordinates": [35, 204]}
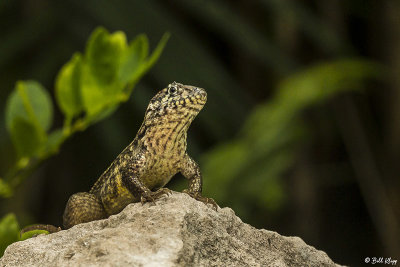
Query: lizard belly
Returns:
{"type": "Point", "coordinates": [160, 172]}
{"type": "Point", "coordinates": [155, 180]}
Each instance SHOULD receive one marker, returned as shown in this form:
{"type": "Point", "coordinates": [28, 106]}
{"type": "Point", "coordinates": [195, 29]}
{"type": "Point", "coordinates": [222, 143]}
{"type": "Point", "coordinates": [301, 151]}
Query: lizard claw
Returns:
{"type": "Point", "coordinates": [199, 197]}
{"type": "Point", "coordinates": [149, 196]}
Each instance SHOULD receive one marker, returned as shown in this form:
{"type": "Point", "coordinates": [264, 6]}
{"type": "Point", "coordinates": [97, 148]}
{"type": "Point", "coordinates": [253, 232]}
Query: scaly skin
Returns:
{"type": "Point", "coordinates": [156, 154]}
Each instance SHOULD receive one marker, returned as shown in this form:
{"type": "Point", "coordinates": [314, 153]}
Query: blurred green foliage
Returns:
{"type": "Point", "coordinates": [9, 231]}
{"type": "Point", "coordinates": [88, 88]}
{"type": "Point", "coordinates": [269, 140]}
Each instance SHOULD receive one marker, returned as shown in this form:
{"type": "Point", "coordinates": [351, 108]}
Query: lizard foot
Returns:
{"type": "Point", "coordinates": [149, 196]}
{"type": "Point", "coordinates": [199, 197]}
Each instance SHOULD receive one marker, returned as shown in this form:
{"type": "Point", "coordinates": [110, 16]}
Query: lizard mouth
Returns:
{"type": "Point", "coordinates": [200, 95]}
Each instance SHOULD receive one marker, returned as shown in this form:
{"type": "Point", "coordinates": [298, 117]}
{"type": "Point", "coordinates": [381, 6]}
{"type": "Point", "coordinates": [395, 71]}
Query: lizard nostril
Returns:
{"type": "Point", "coordinates": [201, 92]}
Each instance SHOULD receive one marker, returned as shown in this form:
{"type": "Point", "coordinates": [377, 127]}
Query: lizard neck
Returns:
{"type": "Point", "coordinates": [165, 137]}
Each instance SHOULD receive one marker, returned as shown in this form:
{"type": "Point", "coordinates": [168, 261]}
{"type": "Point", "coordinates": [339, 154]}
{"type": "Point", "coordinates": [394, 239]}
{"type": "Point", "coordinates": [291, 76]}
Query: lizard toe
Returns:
{"type": "Point", "coordinates": [199, 197]}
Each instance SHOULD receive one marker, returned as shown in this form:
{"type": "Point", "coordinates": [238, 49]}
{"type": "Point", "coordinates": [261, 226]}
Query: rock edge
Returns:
{"type": "Point", "coordinates": [176, 231]}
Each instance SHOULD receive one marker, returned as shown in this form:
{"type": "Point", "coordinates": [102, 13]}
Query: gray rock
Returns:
{"type": "Point", "coordinates": [176, 231]}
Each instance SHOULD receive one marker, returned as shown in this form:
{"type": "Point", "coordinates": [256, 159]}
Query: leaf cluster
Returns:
{"type": "Point", "coordinates": [88, 88]}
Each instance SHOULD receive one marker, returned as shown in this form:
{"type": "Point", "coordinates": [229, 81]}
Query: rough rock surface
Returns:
{"type": "Point", "coordinates": [176, 231]}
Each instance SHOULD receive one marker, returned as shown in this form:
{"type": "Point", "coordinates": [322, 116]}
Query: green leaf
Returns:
{"type": "Point", "coordinates": [29, 114]}
{"type": "Point", "coordinates": [32, 233]}
{"type": "Point", "coordinates": [9, 231]}
{"type": "Point", "coordinates": [103, 54]}
{"type": "Point", "coordinates": [30, 101]}
{"type": "Point", "coordinates": [134, 57]}
{"type": "Point", "coordinates": [148, 63]}
{"type": "Point", "coordinates": [102, 114]}
{"type": "Point", "coordinates": [99, 80]}
{"type": "Point", "coordinates": [26, 138]}
{"type": "Point", "coordinates": [68, 87]}
{"type": "Point", "coordinates": [5, 189]}
{"type": "Point", "coordinates": [157, 52]}
{"type": "Point", "coordinates": [111, 68]}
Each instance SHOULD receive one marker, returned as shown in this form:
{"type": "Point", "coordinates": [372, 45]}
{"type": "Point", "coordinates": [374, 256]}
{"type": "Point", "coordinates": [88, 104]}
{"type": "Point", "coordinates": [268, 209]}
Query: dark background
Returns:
{"type": "Point", "coordinates": [341, 191]}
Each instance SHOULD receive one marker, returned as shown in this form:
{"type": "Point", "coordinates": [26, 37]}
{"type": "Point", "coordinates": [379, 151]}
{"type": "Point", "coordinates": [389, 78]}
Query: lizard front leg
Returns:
{"type": "Point", "coordinates": [131, 179]}
{"type": "Point", "coordinates": [190, 169]}
{"type": "Point", "coordinates": [146, 194]}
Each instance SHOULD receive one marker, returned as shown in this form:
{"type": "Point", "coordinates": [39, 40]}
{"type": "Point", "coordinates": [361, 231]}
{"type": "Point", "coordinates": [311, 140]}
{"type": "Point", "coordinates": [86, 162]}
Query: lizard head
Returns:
{"type": "Point", "coordinates": [177, 101]}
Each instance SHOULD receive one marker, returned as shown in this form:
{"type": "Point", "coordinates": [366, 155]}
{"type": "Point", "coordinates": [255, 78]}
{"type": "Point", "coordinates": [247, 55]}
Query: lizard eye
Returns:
{"type": "Point", "coordinates": [172, 90]}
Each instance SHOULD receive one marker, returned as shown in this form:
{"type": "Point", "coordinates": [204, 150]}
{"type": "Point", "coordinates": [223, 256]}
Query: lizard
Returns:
{"type": "Point", "coordinates": [140, 172]}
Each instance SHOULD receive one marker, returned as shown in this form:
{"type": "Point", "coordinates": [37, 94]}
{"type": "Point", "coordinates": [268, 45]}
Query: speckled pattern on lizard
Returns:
{"type": "Point", "coordinates": [147, 164]}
